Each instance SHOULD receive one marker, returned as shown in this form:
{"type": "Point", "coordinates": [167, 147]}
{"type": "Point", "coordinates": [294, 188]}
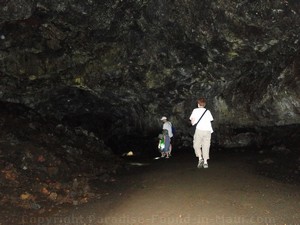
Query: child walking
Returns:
{"type": "Point", "coordinates": [164, 144]}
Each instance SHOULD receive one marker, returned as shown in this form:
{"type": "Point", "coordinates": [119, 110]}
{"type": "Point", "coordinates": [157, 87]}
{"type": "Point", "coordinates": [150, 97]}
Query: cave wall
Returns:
{"type": "Point", "coordinates": [124, 64]}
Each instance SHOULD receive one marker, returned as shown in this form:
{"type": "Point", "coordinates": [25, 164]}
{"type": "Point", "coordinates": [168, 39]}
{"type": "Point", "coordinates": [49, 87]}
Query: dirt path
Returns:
{"type": "Point", "coordinates": [173, 191]}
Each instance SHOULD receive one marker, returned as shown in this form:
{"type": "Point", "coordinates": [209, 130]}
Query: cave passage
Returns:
{"type": "Point", "coordinates": [174, 191]}
{"type": "Point", "coordinates": [83, 85]}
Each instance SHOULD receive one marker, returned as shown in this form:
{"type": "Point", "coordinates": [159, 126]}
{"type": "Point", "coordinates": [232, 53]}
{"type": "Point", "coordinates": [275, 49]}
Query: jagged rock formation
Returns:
{"type": "Point", "coordinates": [115, 67]}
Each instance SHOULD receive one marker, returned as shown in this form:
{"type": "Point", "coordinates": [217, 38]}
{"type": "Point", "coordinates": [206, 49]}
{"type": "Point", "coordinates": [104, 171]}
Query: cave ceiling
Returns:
{"type": "Point", "coordinates": [125, 63]}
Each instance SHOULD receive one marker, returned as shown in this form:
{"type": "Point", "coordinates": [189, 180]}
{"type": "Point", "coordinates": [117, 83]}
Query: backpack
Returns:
{"type": "Point", "coordinates": [173, 129]}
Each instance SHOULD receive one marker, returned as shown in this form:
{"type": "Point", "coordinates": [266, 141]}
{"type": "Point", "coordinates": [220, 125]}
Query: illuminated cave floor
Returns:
{"type": "Point", "coordinates": [174, 191]}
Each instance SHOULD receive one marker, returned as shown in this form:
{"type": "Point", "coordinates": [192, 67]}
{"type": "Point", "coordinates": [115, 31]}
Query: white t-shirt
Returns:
{"type": "Point", "coordinates": [168, 126]}
{"type": "Point", "coordinates": [205, 122]}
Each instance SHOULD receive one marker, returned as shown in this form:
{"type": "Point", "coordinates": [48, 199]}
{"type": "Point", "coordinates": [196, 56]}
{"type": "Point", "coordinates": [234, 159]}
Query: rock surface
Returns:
{"type": "Point", "coordinates": [115, 67]}
{"type": "Point", "coordinates": [79, 78]}
{"type": "Point", "coordinates": [45, 164]}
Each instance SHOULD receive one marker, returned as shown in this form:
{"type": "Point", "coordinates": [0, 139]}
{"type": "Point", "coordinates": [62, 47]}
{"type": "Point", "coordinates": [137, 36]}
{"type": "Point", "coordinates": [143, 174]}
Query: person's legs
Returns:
{"type": "Point", "coordinates": [170, 149]}
{"type": "Point", "coordinates": [197, 144]}
{"type": "Point", "coordinates": [201, 146]}
{"type": "Point", "coordinates": [206, 146]}
{"type": "Point", "coordinates": [166, 152]}
{"type": "Point", "coordinates": [167, 147]}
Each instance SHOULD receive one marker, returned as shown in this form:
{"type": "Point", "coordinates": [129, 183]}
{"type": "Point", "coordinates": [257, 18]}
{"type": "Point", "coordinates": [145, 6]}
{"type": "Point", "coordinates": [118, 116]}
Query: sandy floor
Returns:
{"type": "Point", "coordinates": [173, 191]}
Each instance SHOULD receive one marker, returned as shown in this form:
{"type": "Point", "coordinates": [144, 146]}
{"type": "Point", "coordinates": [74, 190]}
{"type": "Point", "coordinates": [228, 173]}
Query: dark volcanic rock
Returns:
{"type": "Point", "coordinates": [79, 76]}
{"type": "Point", "coordinates": [124, 64]}
{"type": "Point", "coordinates": [44, 163]}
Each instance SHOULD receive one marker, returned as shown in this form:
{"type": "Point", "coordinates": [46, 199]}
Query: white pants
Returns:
{"type": "Point", "coordinates": [201, 143]}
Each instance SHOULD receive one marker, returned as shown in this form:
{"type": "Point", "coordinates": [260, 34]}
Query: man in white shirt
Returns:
{"type": "Point", "coordinates": [167, 125]}
{"type": "Point", "coordinates": [202, 136]}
